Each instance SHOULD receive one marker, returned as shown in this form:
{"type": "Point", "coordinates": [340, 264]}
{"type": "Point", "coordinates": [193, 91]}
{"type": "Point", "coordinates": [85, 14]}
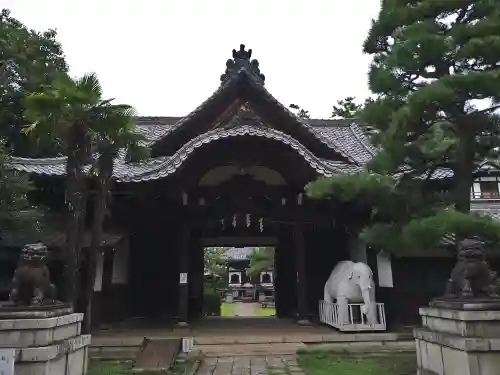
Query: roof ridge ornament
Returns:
{"type": "Point", "coordinates": [241, 59]}
{"type": "Point", "coordinates": [244, 115]}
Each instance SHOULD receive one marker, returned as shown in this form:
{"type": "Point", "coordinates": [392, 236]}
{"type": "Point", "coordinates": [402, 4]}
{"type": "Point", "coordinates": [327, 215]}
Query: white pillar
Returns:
{"type": "Point", "coordinates": [98, 272]}
{"type": "Point", "coordinates": [357, 250]}
{"type": "Point", "coordinates": [384, 270]}
{"type": "Point", "coordinates": [476, 190]}
{"type": "Point", "coordinates": [121, 262]}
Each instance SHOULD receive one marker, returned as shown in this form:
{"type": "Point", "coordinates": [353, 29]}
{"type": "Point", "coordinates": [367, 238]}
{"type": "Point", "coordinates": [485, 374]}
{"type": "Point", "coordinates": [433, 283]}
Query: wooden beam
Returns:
{"type": "Point", "coordinates": [225, 113]}
{"type": "Point", "coordinates": [298, 235]}
{"type": "Point", "coordinates": [184, 277]}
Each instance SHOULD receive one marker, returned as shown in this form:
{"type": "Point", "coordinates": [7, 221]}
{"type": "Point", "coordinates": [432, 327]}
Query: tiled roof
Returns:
{"type": "Point", "coordinates": [160, 167]}
{"type": "Point", "coordinates": [344, 137]}
{"type": "Point", "coordinates": [347, 137]}
{"type": "Point", "coordinates": [239, 253]}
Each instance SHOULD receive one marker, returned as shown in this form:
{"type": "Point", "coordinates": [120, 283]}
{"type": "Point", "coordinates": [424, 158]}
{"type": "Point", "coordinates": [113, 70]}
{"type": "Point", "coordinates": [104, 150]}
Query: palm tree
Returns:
{"type": "Point", "coordinates": [64, 112]}
{"type": "Point", "coordinates": [114, 133]}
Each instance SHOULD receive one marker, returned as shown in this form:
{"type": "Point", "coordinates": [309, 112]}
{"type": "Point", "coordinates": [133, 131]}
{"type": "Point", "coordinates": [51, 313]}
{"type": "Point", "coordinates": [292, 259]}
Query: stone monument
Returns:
{"type": "Point", "coordinates": [461, 330]}
{"type": "Point", "coordinates": [44, 332]}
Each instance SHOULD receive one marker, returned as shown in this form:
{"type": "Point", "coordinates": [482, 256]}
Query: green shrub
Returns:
{"type": "Point", "coordinates": [211, 302]}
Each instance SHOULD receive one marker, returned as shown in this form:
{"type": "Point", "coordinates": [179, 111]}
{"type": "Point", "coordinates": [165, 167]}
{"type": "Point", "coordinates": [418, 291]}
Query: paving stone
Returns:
{"type": "Point", "coordinates": [240, 371]}
{"type": "Point", "coordinates": [225, 360]}
{"type": "Point", "coordinates": [251, 365]}
{"type": "Point", "coordinates": [242, 362]}
{"type": "Point", "coordinates": [275, 362]}
{"type": "Point", "coordinates": [223, 369]}
{"type": "Point", "coordinates": [206, 369]}
{"type": "Point", "coordinates": [210, 361]}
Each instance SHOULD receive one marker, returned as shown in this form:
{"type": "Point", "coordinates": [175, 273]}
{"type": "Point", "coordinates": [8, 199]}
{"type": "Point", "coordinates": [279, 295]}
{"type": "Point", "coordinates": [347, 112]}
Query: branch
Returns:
{"type": "Point", "coordinates": [492, 108]}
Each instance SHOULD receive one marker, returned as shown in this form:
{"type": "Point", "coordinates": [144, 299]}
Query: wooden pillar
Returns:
{"type": "Point", "coordinates": [302, 310]}
{"type": "Point", "coordinates": [183, 276]}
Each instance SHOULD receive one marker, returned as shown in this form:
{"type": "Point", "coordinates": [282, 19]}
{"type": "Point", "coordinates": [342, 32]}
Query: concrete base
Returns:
{"type": "Point", "coordinates": [304, 322]}
{"type": "Point", "coordinates": [458, 342]}
{"type": "Point", "coordinates": [47, 342]}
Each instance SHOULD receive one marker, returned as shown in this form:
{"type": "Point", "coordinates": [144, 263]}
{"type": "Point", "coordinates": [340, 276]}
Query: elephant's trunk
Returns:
{"type": "Point", "coordinates": [370, 307]}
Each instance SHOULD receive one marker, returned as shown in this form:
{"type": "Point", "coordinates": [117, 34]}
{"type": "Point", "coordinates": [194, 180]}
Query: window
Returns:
{"type": "Point", "coordinates": [234, 278]}
{"type": "Point", "coordinates": [489, 189]}
{"type": "Point", "coordinates": [266, 278]}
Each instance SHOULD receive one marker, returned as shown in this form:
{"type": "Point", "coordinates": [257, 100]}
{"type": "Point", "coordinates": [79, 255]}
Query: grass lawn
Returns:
{"type": "Point", "coordinates": [227, 309]}
{"type": "Point", "coordinates": [124, 368]}
{"type": "Point", "coordinates": [265, 311]}
{"type": "Point", "coordinates": [108, 368]}
{"type": "Point", "coordinates": [328, 364]}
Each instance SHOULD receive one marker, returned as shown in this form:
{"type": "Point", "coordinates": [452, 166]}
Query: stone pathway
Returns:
{"type": "Point", "coordinates": [245, 308]}
{"type": "Point", "coordinates": [251, 365]}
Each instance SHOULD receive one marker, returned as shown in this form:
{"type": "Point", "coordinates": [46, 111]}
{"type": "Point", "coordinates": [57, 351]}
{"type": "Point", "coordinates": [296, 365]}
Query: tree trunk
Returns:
{"type": "Point", "coordinates": [75, 191]}
{"type": "Point", "coordinates": [464, 171]}
{"type": "Point", "coordinates": [104, 180]}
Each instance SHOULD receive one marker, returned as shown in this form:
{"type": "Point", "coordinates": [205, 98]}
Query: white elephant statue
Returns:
{"type": "Point", "coordinates": [352, 282]}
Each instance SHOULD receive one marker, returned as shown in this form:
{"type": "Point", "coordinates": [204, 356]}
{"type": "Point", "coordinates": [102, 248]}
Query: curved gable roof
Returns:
{"type": "Point", "coordinates": [243, 83]}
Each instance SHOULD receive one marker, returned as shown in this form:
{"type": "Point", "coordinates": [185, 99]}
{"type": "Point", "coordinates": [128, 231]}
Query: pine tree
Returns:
{"type": "Point", "coordinates": [346, 108]}
{"type": "Point", "coordinates": [436, 77]}
{"type": "Point", "coordinates": [300, 112]}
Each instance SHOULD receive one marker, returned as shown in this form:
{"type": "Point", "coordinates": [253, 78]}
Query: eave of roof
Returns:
{"type": "Point", "coordinates": [160, 167]}
{"type": "Point", "coordinates": [348, 137]}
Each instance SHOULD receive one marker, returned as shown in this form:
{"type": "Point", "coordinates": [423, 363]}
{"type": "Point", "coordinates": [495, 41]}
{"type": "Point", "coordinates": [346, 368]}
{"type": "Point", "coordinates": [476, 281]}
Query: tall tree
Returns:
{"type": "Point", "coordinates": [346, 108]}
{"type": "Point", "coordinates": [28, 61]}
{"type": "Point", "coordinates": [113, 132]}
{"type": "Point", "coordinates": [15, 210]}
{"type": "Point", "coordinates": [432, 62]}
{"type": "Point", "coordinates": [261, 259]}
{"type": "Point", "coordinates": [436, 75]}
{"type": "Point", "coordinates": [215, 261]}
{"type": "Point", "coordinates": [63, 112]}
{"type": "Point", "coordinates": [300, 112]}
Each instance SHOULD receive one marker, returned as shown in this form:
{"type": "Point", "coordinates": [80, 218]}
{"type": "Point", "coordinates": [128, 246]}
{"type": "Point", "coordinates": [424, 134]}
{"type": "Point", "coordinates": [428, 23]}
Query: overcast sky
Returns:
{"type": "Point", "coordinates": [165, 57]}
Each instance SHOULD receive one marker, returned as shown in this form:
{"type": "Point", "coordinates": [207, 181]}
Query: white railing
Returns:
{"type": "Point", "coordinates": [329, 314]}
{"type": "Point", "coordinates": [485, 195]}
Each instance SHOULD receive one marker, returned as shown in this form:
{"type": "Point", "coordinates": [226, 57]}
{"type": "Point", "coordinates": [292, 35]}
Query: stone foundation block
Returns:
{"type": "Point", "coordinates": [46, 343]}
{"type": "Point", "coordinates": [458, 342]}
{"type": "Point", "coordinates": [462, 323]}
{"type": "Point", "coordinates": [23, 333]}
{"type": "Point", "coordinates": [66, 358]}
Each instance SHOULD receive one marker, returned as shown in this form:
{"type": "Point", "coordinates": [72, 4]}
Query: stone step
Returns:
{"type": "Point", "coordinates": [301, 338]}
{"type": "Point", "coordinates": [157, 355]}
{"type": "Point", "coordinates": [366, 347]}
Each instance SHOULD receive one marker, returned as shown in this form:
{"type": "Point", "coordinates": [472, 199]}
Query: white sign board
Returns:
{"type": "Point", "coordinates": [187, 344]}
{"type": "Point", "coordinates": [7, 357]}
{"type": "Point", "coordinates": [384, 270]}
{"type": "Point", "coordinates": [183, 278]}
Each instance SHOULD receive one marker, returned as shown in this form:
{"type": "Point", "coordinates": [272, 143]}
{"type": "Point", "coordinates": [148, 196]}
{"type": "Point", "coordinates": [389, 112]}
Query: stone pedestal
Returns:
{"type": "Point", "coordinates": [458, 342]}
{"type": "Point", "coordinates": [46, 342]}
